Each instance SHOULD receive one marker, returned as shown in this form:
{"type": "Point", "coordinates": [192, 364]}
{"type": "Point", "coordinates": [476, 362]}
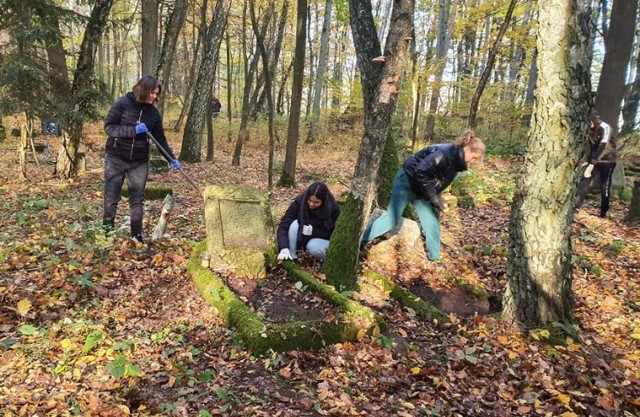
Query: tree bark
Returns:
{"type": "Point", "coordinates": [322, 62]}
{"type": "Point", "coordinates": [288, 175]}
{"type": "Point", "coordinates": [267, 81]}
{"type": "Point", "coordinates": [539, 268]}
{"type": "Point", "coordinates": [632, 98]}
{"type": "Point", "coordinates": [250, 70]}
{"type": "Point", "coordinates": [149, 41]}
{"type": "Point", "coordinates": [165, 62]}
{"type": "Point", "coordinates": [618, 43]}
{"type": "Point", "coordinates": [229, 84]}
{"type": "Point", "coordinates": [446, 20]}
{"type": "Point", "coordinates": [191, 150]}
{"type": "Point", "coordinates": [342, 258]}
{"type": "Point", "coordinates": [491, 59]}
{"type": "Point", "coordinates": [82, 79]}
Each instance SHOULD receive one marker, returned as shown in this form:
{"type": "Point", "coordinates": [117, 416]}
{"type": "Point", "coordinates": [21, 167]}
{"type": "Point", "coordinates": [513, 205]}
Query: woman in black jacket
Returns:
{"type": "Point", "coordinates": [127, 150]}
{"type": "Point", "coordinates": [420, 181]}
{"type": "Point", "coordinates": [308, 223]}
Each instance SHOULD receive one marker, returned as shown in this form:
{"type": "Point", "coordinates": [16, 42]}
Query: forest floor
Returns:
{"type": "Point", "coordinates": [97, 327]}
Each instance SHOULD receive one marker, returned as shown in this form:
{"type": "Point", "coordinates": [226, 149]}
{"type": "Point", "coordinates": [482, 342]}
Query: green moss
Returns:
{"type": "Point", "coordinates": [335, 298]}
{"type": "Point", "coordinates": [150, 192]}
{"type": "Point", "coordinates": [286, 180]}
{"type": "Point", "coordinates": [261, 336]}
{"type": "Point", "coordinates": [423, 309]}
{"type": "Point", "coordinates": [389, 166]}
{"type": "Point", "coordinates": [341, 266]}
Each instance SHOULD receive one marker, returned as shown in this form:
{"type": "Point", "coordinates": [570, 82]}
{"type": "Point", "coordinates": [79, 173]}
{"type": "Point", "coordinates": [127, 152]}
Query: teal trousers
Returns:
{"type": "Point", "coordinates": [401, 195]}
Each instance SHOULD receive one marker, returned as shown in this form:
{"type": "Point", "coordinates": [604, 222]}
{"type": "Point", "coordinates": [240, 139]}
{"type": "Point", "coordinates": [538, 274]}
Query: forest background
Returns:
{"type": "Point", "coordinates": [109, 328]}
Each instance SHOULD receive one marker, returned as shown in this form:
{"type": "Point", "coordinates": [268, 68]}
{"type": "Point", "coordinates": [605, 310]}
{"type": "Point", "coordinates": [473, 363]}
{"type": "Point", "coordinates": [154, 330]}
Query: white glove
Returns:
{"type": "Point", "coordinates": [587, 172]}
{"type": "Point", "coordinates": [285, 255]}
{"type": "Point", "coordinates": [584, 165]}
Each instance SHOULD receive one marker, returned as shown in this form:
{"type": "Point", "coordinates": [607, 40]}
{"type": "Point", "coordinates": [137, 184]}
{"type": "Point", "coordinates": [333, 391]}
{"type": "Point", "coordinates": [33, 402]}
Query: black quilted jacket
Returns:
{"type": "Point", "coordinates": [120, 124]}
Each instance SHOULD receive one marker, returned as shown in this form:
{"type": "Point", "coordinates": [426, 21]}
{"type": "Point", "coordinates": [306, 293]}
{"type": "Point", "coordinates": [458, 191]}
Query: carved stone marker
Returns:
{"type": "Point", "coordinates": [239, 229]}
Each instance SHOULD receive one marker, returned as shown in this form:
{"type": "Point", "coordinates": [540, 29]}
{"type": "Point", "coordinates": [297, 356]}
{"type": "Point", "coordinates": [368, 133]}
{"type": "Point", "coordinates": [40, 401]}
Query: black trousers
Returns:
{"type": "Point", "coordinates": [605, 170]}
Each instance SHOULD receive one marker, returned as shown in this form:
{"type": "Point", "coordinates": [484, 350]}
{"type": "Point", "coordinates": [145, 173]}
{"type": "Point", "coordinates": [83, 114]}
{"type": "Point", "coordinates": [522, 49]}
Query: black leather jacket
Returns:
{"type": "Point", "coordinates": [432, 169]}
{"type": "Point", "coordinates": [120, 125]}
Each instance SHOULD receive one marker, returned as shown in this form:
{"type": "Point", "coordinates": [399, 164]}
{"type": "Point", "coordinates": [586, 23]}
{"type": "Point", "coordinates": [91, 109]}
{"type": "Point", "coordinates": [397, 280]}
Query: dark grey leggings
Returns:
{"type": "Point", "coordinates": [136, 172]}
{"type": "Point", "coordinates": [606, 173]}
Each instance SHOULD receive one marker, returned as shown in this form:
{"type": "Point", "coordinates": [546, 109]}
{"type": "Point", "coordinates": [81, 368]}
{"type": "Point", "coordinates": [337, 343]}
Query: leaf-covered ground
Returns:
{"type": "Point", "coordinates": [104, 327]}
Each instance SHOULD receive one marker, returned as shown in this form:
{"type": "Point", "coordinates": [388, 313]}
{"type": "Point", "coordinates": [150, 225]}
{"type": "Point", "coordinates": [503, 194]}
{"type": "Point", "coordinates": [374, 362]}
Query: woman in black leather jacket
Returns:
{"type": "Point", "coordinates": [420, 181]}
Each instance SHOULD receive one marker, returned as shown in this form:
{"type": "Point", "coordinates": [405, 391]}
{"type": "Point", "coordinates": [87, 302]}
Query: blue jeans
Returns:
{"type": "Point", "coordinates": [316, 247]}
{"type": "Point", "coordinates": [401, 195]}
{"type": "Point", "coordinates": [115, 171]}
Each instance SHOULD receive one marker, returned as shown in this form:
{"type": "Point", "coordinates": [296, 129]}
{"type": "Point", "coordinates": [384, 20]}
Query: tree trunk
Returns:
{"type": "Point", "coordinates": [191, 150]}
{"type": "Point", "coordinates": [149, 41]}
{"type": "Point", "coordinates": [632, 98]}
{"type": "Point", "coordinates": [250, 70]}
{"type": "Point", "coordinates": [65, 163]}
{"type": "Point", "coordinates": [516, 62]}
{"type": "Point", "coordinates": [58, 73]}
{"type": "Point", "coordinates": [229, 84]}
{"type": "Point", "coordinates": [267, 81]}
{"type": "Point", "coordinates": [322, 62]}
{"type": "Point", "coordinates": [539, 268]}
{"type": "Point", "coordinates": [210, 120]}
{"type": "Point", "coordinates": [618, 43]}
{"type": "Point", "coordinates": [342, 257]}
{"type": "Point", "coordinates": [531, 86]}
{"type": "Point", "coordinates": [288, 175]}
{"type": "Point", "coordinates": [169, 47]}
{"type": "Point", "coordinates": [202, 34]}
{"type": "Point", "coordinates": [491, 59]}
{"type": "Point", "coordinates": [446, 20]}
{"type": "Point", "coordinates": [634, 206]}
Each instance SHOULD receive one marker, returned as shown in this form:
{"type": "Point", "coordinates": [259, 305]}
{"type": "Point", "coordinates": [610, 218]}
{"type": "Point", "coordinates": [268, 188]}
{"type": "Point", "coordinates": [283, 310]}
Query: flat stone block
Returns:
{"type": "Point", "coordinates": [239, 229]}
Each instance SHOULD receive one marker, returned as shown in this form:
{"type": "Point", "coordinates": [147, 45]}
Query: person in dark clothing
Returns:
{"type": "Point", "coordinates": [420, 181]}
{"type": "Point", "coordinates": [127, 150]}
{"type": "Point", "coordinates": [308, 223]}
{"type": "Point", "coordinates": [216, 106]}
{"type": "Point", "coordinates": [602, 161]}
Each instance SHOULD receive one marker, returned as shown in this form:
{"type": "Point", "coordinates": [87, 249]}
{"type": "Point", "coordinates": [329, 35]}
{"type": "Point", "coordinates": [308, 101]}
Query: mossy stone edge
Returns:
{"type": "Point", "coordinates": [424, 310]}
{"type": "Point", "coordinates": [260, 336]}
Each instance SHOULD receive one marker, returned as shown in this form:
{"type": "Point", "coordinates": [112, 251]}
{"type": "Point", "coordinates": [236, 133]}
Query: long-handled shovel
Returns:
{"type": "Point", "coordinates": [169, 159]}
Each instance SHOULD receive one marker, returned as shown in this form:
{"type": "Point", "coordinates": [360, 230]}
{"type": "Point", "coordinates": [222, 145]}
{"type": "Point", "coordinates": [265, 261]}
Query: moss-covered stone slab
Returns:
{"type": "Point", "coordinates": [152, 192]}
{"type": "Point", "coordinates": [239, 229]}
{"type": "Point", "coordinates": [355, 322]}
{"type": "Point", "coordinates": [424, 310]}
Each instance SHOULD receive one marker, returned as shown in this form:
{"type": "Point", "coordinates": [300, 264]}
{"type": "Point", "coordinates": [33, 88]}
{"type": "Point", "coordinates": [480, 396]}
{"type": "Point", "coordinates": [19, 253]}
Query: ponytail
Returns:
{"type": "Point", "coordinates": [470, 141]}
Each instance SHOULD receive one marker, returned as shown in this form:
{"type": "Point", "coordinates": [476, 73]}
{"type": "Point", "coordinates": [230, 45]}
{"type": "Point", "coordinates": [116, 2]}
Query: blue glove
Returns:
{"type": "Point", "coordinates": [175, 164]}
{"type": "Point", "coordinates": [141, 128]}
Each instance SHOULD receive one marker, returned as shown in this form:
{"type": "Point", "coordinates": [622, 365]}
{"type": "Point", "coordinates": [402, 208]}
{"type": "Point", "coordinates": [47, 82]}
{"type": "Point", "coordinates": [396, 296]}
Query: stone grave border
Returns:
{"type": "Point", "coordinates": [424, 310]}
{"type": "Point", "coordinates": [356, 320]}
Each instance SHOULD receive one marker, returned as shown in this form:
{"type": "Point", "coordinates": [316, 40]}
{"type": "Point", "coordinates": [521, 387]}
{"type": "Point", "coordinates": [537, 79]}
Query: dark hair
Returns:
{"type": "Point", "coordinates": [595, 118]}
{"type": "Point", "coordinates": [144, 87]}
{"type": "Point", "coordinates": [469, 139]}
{"type": "Point", "coordinates": [318, 189]}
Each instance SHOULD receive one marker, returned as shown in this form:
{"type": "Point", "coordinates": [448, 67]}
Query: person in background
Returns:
{"type": "Point", "coordinates": [216, 106]}
{"type": "Point", "coordinates": [127, 151]}
{"type": "Point", "coordinates": [602, 160]}
{"type": "Point", "coordinates": [420, 181]}
{"type": "Point", "coordinates": [308, 223]}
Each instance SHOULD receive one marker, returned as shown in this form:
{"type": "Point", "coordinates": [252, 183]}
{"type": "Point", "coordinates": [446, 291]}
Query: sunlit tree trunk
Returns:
{"type": "Point", "coordinates": [618, 44]}
{"type": "Point", "coordinates": [165, 62]}
{"type": "Point", "coordinates": [288, 175]}
{"type": "Point", "coordinates": [83, 75]}
{"type": "Point", "coordinates": [342, 257]}
{"type": "Point", "coordinates": [632, 98]}
{"type": "Point", "coordinates": [539, 268]}
{"type": "Point", "coordinates": [488, 68]}
{"type": "Point", "coordinates": [191, 150]}
{"type": "Point", "coordinates": [322, 62]}
{"type": "Point", "coordinates": [445, 25]}
{"type": "Point", "coordinates": [149, 41]}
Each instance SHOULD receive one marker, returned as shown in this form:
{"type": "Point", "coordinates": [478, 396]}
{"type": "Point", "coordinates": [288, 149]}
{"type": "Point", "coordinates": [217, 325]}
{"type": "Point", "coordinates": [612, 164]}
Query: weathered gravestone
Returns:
{"type": "Point", "coordinates": [239, 229]}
